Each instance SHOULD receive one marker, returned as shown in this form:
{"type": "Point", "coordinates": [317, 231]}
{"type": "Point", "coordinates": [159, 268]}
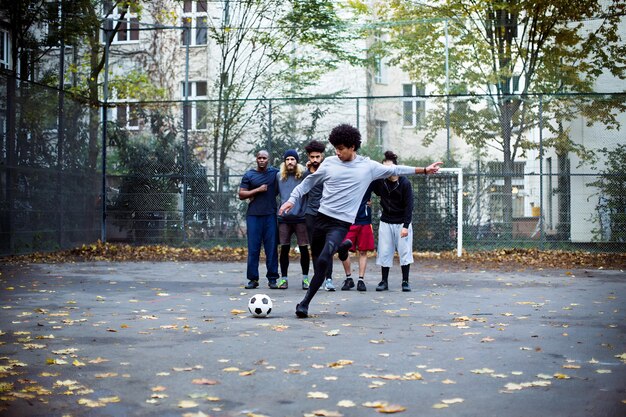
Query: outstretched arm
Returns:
{"type": "Point", "coordinates": [430, 169]}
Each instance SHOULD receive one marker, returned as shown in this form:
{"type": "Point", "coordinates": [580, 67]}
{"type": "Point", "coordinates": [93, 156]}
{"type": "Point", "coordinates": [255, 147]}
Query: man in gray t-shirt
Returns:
{"type": "Point", "coordinates": [346, 177]}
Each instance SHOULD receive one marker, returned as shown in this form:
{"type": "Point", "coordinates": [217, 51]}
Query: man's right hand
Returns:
{"type": "Point", "coordinates": [285, 208]}
{"type": "Point", "coordinates": [262, 188]}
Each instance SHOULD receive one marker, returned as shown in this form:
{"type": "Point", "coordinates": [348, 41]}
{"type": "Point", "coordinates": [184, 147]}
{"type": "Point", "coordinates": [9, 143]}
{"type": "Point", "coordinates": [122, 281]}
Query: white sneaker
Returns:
{"type": "Point", "coordinates": [328, 284]}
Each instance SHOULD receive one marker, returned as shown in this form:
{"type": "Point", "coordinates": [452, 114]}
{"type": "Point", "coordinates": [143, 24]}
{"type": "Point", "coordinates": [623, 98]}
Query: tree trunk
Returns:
{"type": "Point", "coordinates": [6, 222]}
{"type": "Point", "coordinates": [564, 199]}
{"type": "Point", "coordinates": [507, 170]}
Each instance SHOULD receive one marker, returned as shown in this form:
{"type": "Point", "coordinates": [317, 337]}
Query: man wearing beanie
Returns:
{"type": "Point", "coordinates": [291, 174]}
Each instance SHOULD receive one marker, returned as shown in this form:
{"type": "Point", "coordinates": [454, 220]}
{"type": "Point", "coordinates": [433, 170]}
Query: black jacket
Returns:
{"type": "Point", "coordinates": [396, 200]}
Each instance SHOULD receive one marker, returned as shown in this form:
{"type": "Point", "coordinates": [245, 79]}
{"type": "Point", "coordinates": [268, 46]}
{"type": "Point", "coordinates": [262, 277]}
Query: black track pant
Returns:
{"type": "Point", "coordinates": [328, 234]}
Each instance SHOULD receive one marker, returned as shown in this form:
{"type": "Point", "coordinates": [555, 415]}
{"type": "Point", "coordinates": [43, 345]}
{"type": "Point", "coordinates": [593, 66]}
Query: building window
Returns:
{"type": "Point", "coordinates": [128, 115]}
{"type": "Point", "coordinates": [515, 84]}
{"type": "Point", "coordinates": [129, 24]}
{"type": "Point", "coordinates": [495, 169]}
{"type": "Point", "coordinates": [380, 67]}
{"type": "Point", "coordinates": [380, 132]}
{"type": "Point", "coordinates": [413, 108]}
{"type": "Point", "coordinates": [195, 18]}
{"type": "Point", "coordinates": [195, 110]}
{"type": "Point", "coordinates": [5, 50]}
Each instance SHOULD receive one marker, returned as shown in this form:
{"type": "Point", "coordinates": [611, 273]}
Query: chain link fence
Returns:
{"type": "Point", "coordinates": [165, 181]}
{"type": "Point", "coordinates": [50, 195]}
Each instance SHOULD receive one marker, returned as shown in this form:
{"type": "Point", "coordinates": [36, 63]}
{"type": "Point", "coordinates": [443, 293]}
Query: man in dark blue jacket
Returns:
{"type": "Point", "coordinates": [259, 186]}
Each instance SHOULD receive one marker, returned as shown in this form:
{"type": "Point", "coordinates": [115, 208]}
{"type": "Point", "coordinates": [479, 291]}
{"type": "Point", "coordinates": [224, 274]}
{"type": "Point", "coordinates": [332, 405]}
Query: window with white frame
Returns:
{"type": "Point", "coordinates": [195, 18]}
{"type": "Point", "coordinates": [195, 109]}
{"type": "Point", "coordinates": [128, 115]}
{"type": "Point", "coordinates": [380, 132]}
{"type": "Point", "coordinates": [127, 19]}
{"type": "Point", "coordinates": [380, 67]}
{"type": "Point", "coordinates": [413, 107]}
{"type": "Point", "coordinates": [5, 50]}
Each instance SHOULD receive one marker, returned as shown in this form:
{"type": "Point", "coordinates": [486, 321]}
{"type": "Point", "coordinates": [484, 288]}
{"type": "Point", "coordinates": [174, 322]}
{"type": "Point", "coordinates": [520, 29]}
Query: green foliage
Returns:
{"type": "Point", "coordinates": [153, 174]}
{"type": "Point", "coordinates": [289, 130]}
{"type": "Point", "coordinates": [611, 207]}
{"type": "Point", "coordinates": [547, 44]}
{"type": "Point", "coordinates": [506, 51]}
{"type": "Point", "coordinates": [135, 85]}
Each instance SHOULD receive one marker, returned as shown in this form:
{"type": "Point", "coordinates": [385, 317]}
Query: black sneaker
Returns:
{"type": "Point", "coordinates": [347, 284]}
{"type": "Point", "coordinates": [382, 286]}
{"type": "Point", "coordinates": [405, 286]}
{"type": "Point", "coordinates": [342, 252]}
{"type": "Point", "coordinates": [360, 286]}
{"type": "Point", "coordinates": [271, 283]}
{"type": "Point", "coordinates": [252, 284]}
{"type": "Point", "coordinates": [302, 311]}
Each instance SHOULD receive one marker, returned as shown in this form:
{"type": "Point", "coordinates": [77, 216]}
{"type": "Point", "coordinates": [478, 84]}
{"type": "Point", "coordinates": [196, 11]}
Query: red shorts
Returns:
{"type": "Point", "coordinates": [362, 237]}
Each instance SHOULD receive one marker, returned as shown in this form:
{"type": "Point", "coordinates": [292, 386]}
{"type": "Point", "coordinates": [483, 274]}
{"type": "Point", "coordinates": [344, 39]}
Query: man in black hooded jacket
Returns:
{"type": "Point", "coordinates": [395, 232]}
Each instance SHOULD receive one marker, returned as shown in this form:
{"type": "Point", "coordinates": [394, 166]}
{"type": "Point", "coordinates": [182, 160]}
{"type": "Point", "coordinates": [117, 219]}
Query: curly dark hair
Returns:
{"type": "Point", "coordinates": [345, 135]}
{"type": "Point", "coordinates": [315, 146]}
{"type": "Point", "coordinates": [390, 156]}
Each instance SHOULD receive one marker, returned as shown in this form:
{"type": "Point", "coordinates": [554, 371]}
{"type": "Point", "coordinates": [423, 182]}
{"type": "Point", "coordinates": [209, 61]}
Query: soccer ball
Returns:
{"type": "Point", "coordinates": [260, 305]}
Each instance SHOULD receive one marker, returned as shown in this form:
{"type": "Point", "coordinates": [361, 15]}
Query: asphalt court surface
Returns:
{"type": "Point", "coordinates": [175, 339]}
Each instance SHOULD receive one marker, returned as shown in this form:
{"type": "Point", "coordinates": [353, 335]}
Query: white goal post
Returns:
{"type": "Point", "coordinates": [459, 217]}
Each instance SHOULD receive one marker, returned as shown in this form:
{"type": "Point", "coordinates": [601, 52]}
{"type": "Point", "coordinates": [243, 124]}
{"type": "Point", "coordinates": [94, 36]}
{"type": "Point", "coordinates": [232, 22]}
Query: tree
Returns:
{"type": "Point", "coordinates": [265, 48]}
{"type": "Point", "coordinates": [611, 207]}
{"type": "Point", "coordinates": [549, 47]}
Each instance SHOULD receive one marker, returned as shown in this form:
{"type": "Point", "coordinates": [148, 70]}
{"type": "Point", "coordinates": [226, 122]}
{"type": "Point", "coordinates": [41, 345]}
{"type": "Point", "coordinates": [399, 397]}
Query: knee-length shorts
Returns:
{"type": "Point", "coordinates": [389, 241]}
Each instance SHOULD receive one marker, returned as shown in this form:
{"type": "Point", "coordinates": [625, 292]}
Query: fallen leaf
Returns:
{"type": "Point", "coordinates": [204, 381]}
{"type": "Point", "coordinates": [332, 332]}
{"type": "Point", "coordinates": [340, 363]}
{"type": "Point", "coordinates": [453, 401]}
{"type": "Point", "coordinates": [187, 404]}
{"type": "Point", "coordinates": [317, 395]}
{"type": "Point", "coordinates": [346, 403]}
{"type": "Point", "coordinates": [390, 409]}
{"type": "Point", "coordinates": [325, 413]}
{"type": "Point", "coordinates": [201, 414]}
{"type": "Point", "coordinates": [236, 312]}
{"type": "Point", "coordinates": [482, 371]}
{"type": "Point", "coordinates": [90, 403]}
{"type": "Point", "coordinates": [108, 400]}
{"type": "Point", "coordinates": [247, 373]}
{"type": "Point", "coordinates": [375, 404]}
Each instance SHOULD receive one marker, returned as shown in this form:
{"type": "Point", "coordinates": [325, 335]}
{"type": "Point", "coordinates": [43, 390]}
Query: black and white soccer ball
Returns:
{"type": "Point", "coordinates": [260, 305]}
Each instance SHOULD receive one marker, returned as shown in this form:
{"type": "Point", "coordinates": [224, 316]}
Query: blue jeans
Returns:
{"type": "Point", "coordinates": [262, 230]}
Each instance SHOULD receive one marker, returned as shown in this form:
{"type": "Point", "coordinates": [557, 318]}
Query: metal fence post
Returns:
{"type": "Point", "coordinates": [269, 128]}
{"type": "Point", "coordinates": [186, 122]}
{"type": "Point", "coordinates": [105, 99]}
{"type": "Point", "coordinates": [541, 225]}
